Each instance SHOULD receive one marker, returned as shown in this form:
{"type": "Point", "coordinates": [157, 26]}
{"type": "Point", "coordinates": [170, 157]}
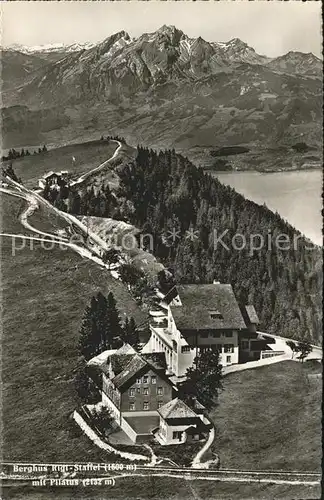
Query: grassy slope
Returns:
{"type": "Point", "coordinates": [44, 294]}
{"type": "Point", "coordinates": [168, 489]}
{"type": "Point", "coordinates": [270, 418]}
{"type": "Point", "coordinates": [13, 206]}
{"type": "Point", "coordinates": [88, 155]}
{"type": "Point", "coordinates": [43, 219]}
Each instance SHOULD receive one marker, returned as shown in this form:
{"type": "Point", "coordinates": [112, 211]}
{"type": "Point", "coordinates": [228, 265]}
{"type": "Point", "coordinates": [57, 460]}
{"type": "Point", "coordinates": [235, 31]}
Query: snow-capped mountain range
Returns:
{"type": "Point", "coordinates": [51, 47]}
{"type": "Point", "coordinates": [184, 91]}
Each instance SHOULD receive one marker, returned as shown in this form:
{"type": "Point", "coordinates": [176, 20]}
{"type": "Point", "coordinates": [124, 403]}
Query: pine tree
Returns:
{"type": "Point", "coordinates": [130, 274]}
{"type": "Point", "coordinates": [113, 325]}
{"type": "Point", "coordinates": [89, 340]}
{"type": "Point", "coordinates": [101, 321]}
{"type": "Point", "coordinates": [130, 333]}
{"type": "Point", "coordinates": [86, 388]}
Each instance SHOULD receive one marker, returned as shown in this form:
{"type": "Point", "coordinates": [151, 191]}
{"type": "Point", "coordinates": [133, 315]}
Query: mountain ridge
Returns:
{"type": "Point", "coordinates": [206, 92]}
{"type": "Point", "coordinates": [85, 45]}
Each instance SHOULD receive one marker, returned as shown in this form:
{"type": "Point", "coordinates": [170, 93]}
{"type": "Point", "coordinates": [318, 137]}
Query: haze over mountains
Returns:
{"type": "Point", "coordinates": [163, 89]}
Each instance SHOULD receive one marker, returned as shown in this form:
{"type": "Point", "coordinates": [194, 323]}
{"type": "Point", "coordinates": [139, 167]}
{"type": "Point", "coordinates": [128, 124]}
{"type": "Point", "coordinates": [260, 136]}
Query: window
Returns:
{"type": "Point", "coordinates": [177, 435]}
{"type": "Point", "coordinates": [204, 335]}
{"type": "Point", "coordinates": [138, 390]}
{"type": "Point", "coordinates": [228, 348]}
{"type": "Point", "coordinates": [244, 344]}
{"type": "Point", "coordinates": [216, 315]}
{"type": "Point", "coordinates": [205, 348]}
{"type": "Point", "coordinates": [153, 379]}
{"type": "Point", "coordinates": [228, 334]}
{"type": "Point", "coordinates": [146, 405]}
{"type": "Point", "coordinates": [145, 391]}
{"type": "Point", "coordinates": [185, 348]}
{"type": "Point", "coordinates": [160, 391]}
{"type": "Point", "coordinates": [132, 392]}
{"type": "Point", "coordinates": [175, 345]}
{"type": "Point", "coordinates": [138, 380]}
{"type": "Point", "coordinates": [145, 379]}
{"type": "Point", "coordinates": [132, 406]}
{"type": "Point", "coordinates": [160, 403]}
{"type": "Point", "coordinates": [228, 359]}
{"type": "Point", "coordinates": [216, 335]}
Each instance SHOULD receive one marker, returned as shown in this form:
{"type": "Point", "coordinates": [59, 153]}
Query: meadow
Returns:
{"type": "Point", "coordinates": [88, 155]}
{"type": "Point", "coordinates": [270, 418]}
{"type": "Point", "coordinates": [44, 294]}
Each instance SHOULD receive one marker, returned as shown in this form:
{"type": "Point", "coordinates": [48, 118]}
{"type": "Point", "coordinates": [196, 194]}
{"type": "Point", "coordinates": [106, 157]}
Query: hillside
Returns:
{"type": "Point", "coordinates": [88, 155]}
{"type": "Point", "coordinates": [44, 293]}
{"type": "Point", "coordinates": [205, 230]}
{"type": "Point", "coordinates": [17, 67]}
{"type": "Point", "coordinates": [165, 89]}
{"type": "Point", "coordinates": [215, 234]}
{"type": "Point", "coordinates": [275, 422]}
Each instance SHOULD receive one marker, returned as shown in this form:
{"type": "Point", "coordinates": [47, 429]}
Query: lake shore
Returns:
{"type": "Point", "coordinates": [295, 195]}
{"type": "Point", "coordinates": [261, 171]}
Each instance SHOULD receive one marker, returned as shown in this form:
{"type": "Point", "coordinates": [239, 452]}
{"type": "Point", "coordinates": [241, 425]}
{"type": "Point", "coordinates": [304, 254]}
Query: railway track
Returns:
{"type": "Point", "coordinates": [104, 472]}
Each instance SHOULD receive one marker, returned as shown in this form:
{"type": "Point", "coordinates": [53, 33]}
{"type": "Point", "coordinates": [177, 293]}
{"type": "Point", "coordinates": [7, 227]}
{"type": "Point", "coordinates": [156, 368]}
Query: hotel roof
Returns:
{"type": "Point", "coordinates": [212, 306]}
{"type": "Point", "coordinates": [252, 315]}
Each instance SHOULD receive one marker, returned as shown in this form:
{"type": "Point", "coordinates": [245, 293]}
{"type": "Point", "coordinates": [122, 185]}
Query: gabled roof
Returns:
{"type": "Point", "coordinates": [49, 174]}
{"type": "Point", "coordinates": [176, 409]}
{"type": "Point", "coordinates": [119, 362]}
{"type": "Point", "coordinates": [198, 406]}
{"type": "Point", "coordinates": [172, 294]}
{"type": "Point", "coordinates": [199, 303]}
{"type": "Point", "coordinates": [252, 315]}
{"type": "Point", "coordinates": [126, 349]}
{"type": "Point", "coordinates": [132, 367]}
{"type": "Point", "coordinates": [156, 360]}
{"type": "Point", "coordinates": [127, 366]}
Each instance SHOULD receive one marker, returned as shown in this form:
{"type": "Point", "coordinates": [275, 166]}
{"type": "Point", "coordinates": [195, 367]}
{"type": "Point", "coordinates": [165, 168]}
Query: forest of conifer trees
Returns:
{"type": "Point", "coordinates": [167, 191]}
{"type": "Point", "coordinates": [164, 193]}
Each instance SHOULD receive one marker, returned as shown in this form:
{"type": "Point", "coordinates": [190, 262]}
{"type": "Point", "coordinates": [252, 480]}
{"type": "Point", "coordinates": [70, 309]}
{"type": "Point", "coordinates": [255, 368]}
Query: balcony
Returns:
{"type": "Point", "coordinates": [270, 354]}
{"type": "Point", "coordinates": [159, 323]}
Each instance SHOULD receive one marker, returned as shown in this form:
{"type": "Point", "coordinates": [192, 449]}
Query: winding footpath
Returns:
{"type": "Point", "coordinates": [197, 463]}
{"type": "Point", "coordinates": [35, 200]}
{"type": "Point", "coordinates": [85, 176]}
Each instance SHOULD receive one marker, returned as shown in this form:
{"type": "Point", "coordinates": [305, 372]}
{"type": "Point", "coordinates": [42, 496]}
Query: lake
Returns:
{"type": "Point", "coordinates": [296, 196]}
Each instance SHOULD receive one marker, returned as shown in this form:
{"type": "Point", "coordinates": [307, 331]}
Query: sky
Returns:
{"type": "Point", "coordinates": [271, 28]}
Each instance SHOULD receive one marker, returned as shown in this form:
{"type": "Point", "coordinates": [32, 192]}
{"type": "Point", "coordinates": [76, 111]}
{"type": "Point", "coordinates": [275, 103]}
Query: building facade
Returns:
{"type": "Point", "coordinates": [179, 423]}
{"type": "Point", "coordinates": [135, 383]}
{"type": "Point", "coordinates": [142, 398]}
{"type": "Point", "coordinates": [197, 318]}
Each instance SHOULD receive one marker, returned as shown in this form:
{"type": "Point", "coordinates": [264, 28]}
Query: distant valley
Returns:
{"type": "Point", "coordinates": [165, 89]}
